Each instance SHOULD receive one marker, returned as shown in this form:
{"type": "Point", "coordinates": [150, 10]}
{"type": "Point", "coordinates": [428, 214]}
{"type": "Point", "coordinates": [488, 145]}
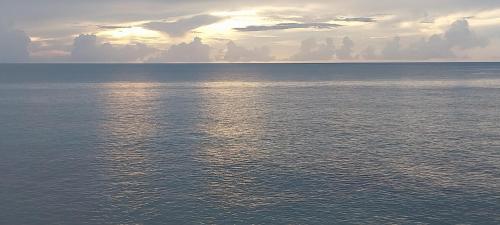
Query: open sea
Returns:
{"type": "Point", "coordinates": [400, 143]}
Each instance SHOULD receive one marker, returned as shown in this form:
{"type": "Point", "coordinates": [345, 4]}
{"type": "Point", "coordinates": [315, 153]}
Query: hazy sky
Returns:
{"type": "Point", "coordinates": [239, 31]}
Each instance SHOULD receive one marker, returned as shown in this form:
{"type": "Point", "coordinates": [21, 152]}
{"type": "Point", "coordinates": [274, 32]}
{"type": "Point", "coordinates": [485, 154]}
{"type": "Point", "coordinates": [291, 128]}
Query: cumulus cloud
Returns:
{"type": "Point", "coordinates": [194, 51]}
{"type": "Point", "coordinates": [287, 26]}
{"type": "Point", "coordinates": [182, 26]}
{"type": "Point", "coordinates": [345, 51]}
{"type": "Point", "coordinates": [438, 46]}
{"type": "Point", "coordinates": [311, 50]}
{"type": "Point", "coordinates": [460, 35]}
{"type": "Point", "coordinates": [86, 48]}
{"type": "Point", "coordinates": [62, 20]}
{"type": "Point", "coordinates": [14, 45]}
{"type": "Point", "coordinates": [235, 53]}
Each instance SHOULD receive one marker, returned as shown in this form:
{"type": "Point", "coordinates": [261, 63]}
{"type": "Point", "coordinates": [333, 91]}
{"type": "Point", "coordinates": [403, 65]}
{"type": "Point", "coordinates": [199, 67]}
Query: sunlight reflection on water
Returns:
{"type": "Point", "coordinates": [128, 126]}
{"type": "Point", "coordinates": [368, 151]}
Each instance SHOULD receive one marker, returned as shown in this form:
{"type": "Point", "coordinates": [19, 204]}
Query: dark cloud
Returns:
{"type": "Point", "coordinates": [182, 26]}
{"type": "Point", "coordinates": [14, 45]}
{"type": "Point", "coordinates": [235, 53]}
{"type": "Point", "coordinates": [194, 51]}
{"type": "Point", "coordinates": [286, 26]}
{"type": "Point", "coordinates": [311, 50]}
{"type": "Point", "coordinates": [356, 19]}
{"type": "Point", "coordinates": [86, 48]}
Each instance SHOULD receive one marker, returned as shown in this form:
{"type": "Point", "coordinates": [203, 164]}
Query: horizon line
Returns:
{"type": "Point", "coordinates": [276, 62]}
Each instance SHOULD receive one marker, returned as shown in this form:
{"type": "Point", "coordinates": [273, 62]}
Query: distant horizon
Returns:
{"type": "Point", "coordinates": [277, 62]}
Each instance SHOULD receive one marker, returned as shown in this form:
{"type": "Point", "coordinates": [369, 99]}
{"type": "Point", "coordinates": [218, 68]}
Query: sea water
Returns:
{"type": "Point", "coordinates": [402, 143]}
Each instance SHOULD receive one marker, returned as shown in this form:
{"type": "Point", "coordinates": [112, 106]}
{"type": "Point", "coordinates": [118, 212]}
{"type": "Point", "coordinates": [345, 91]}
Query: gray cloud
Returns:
{"type": "Point", "coordinates": [460, 35]}
{"type": "Point", "coordinates": [86, 48]}
{"type": "Point", "coordinates": [286, 26]}
{"type": "Point", "coordinates": [13, 45]}
{"type": "Point", "coordinates": [182, 26]}
{"type": "Point", "coordinates": [345, 51]}
{"type": "Point", "coordinates": [235, 53]}
{"type": "Point", "coordinates": [111, 27]}
{"type": "Point", "coordinates": [61, 20]}
{"type": "Point", "coordinates": [432, 48]}
{"type": "Point", "coordinates": [194, 51]}
{"type": "Point", "coordinates": [369, 53]}
{"type": "Point", "coordinates": [437, 46]}
{"type": "Point", "coordinates": [356, 19]}
{"type": "Point", "coordinates": [311, 50]}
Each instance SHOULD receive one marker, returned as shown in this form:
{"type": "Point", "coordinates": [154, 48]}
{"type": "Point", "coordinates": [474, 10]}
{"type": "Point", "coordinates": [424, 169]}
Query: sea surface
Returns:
{"type": "Point", "coordinates": [401, 143]}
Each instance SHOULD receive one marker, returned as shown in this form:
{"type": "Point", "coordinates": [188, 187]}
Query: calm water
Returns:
{"type": "Point", "coordinates": [250, 144]}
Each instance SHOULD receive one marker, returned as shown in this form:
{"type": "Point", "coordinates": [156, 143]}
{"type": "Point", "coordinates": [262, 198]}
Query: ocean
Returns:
{"type": "Point", "coordinates": [374, 143]}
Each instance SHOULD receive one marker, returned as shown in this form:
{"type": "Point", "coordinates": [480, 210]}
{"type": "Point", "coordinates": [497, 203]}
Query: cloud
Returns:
{"type": "Point", "coordinates": [86, 48]}
{"type": "Point", "coordinates": [356, 19]}
{"type": "Point", "coordinates": [432, 48]}
{"type": "Point", "coordinates": [235, 53]}
{"type": "Point", "coordinates": [367, 22]}
{"type": "Point", "coordinates": [438, 46]}
{"type": "Point", "coordinates": [286, 26]}
{"type": "Point", "coordinates": [106, 27]}
{"type": "Point", "coordinates": [182, 26]}
{"type": "Point", "coordinates": [369, 53]}
{"type": "Point", "coordinates": [311, 50]}
{"type": "Point", "coordinates": [345, 51]}
{"type": "Point", "coordinates": [392, 49]}
{"type": "Point", "coordinates": [195, 51]}
{"type": "Point", "coordinates": [14, 45]}
{"type": "Point", "coordinates": [460, 35]}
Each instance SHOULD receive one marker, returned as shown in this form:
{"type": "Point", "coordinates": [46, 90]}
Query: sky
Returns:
{"type": "Point", "coordinates": [157, 31]}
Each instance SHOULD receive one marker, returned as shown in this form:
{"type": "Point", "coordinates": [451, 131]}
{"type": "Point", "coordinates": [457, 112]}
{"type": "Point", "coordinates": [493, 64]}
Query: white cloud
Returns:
{"type": "Point", "coordinates": [311, 50]}
{"type": "Point", "coordinates": [86, 48]}
{"type": "Point", "coordinates": [194, 51]}
{"type": "Point", "coordinates": [13, 45]}
{"type": "Point", "coordinates": [235, 53]}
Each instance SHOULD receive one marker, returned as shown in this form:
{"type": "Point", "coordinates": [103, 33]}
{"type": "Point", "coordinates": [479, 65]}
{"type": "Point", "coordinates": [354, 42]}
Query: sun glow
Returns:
{"type": "Point", "coordinates": [234, 19]}
{"type": "Point", "coordinates": [131, 34]}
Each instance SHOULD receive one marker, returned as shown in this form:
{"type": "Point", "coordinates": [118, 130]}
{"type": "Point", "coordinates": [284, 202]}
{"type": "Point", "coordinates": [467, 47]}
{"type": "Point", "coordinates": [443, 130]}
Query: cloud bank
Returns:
{"type": "Point", "coordinates": [235, 53]}
{"type": "Point", "coordinates": [14, 45]}
{"type": "Point", "coordinates": [311, 50]}
{"type": "Point", "coordinates": [86, 48]}
{"type": "Point", "coordinates": [438, 46]}
{"type": "Point", "coordinates": [195, 51]}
